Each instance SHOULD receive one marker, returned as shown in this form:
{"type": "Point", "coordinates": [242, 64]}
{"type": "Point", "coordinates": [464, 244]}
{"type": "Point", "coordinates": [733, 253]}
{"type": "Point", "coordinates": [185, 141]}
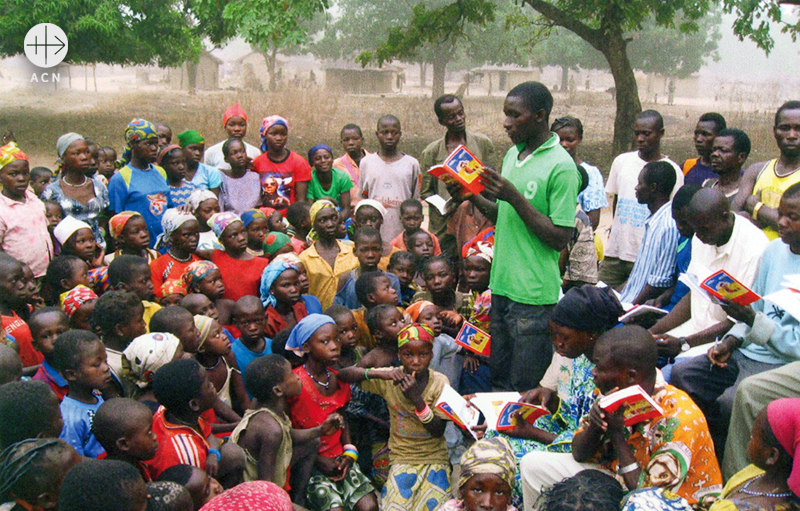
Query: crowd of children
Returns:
{"type": "Point", "coordinates": [245, 327]}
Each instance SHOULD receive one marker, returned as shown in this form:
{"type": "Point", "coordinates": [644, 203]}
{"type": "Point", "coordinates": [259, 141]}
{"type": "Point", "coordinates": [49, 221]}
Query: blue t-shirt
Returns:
{"type": "Point", "coordinates": [207, 177]}
{"type": "Point", "coordinates": [698, 174]}
{"type": "Point", "coordinates": [684, 258]}
{"type": "Point", "coordinates": [144, 191]}
{"type": "Point", "coordinates": [77, 430]}
{"type": "Point", "coordinates": [178, 196]}
{"type": "Point", "coordinates": [244, 356]}
{"type": "Point", "coordinates": [312, 304]}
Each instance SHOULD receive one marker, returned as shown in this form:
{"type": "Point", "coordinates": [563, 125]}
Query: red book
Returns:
{"type": "Point", "coordinates": [640, 406]}
{"type": "Point", "coordinates": [528, 412]}
{"type": "Point", "coordinates": [474, 339]}
{"type": "Point", "coordinates": [461, 166]}
{"type": "Point", "coordinates": [722, 285]}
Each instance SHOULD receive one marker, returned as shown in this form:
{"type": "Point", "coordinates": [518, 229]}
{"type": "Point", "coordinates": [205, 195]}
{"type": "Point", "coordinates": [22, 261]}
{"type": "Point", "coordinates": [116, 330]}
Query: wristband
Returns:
{"type": "Point", "coordinates": [756, 209]}
{"type": "Point", "coordinates": [426, 415]}
{"type": "Point", "coordinates": [351, 453]}
{"type": "Point", "coordinates": [366, 374]}
{"type": "Point", "coordinates": [216, 453]}
{"type": "Point", "coordinates": [627, 469]}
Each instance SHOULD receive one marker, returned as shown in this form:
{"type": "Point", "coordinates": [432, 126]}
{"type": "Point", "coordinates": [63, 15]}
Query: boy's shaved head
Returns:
{"type": "Point", "coordinates": [10, 365]}
{"type": "Point", "coordinates": [117, 418]}
{"type": "Point", "coordinates": [631, 347]}
{"type": "Point", "coordinates": [247, 305]}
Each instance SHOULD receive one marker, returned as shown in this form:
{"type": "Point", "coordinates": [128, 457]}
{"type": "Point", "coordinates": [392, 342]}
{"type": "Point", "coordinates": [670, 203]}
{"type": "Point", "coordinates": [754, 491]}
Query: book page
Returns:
{"type": "Point", "coordinates": [438, 202]}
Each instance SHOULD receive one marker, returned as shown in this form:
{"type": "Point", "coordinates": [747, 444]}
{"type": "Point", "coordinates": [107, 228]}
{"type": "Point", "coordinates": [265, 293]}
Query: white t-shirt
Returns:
{"type": "Point", "coordinates": [627, 230]}
{"type": "Point", "coordinates": [215, 158]}
{"type": "Point", "coordinates": [390, 184]}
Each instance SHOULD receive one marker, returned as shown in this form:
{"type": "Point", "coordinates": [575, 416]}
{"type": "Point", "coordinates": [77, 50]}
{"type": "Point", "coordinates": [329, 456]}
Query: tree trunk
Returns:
{"type": "Point", "coordinates": [439, 68]}
{"type": "Point", "coordinates": [422, 71]}
{"type": "Point", "coordinates": [94, 75]}
{"type": "Point", "coordinates": [627, 95]}
{"type": "Point", "coordinates": [272, 58]}
{"type": "Point", "coordinates": [564, 78]}
{"type": "Point", "coordinates": [191, 75]}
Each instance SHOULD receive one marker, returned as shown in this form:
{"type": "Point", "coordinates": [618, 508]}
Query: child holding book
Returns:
{"type": "Point", "coordinates": [131, 236]}
{"type": "Point", "coordinates": [476, 268]}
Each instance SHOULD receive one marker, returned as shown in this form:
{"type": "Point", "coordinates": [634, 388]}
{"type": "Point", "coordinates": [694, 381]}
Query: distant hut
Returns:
{"type": "Point", "coordinates": [206, 74]}
{"type": "Point", "coordinates": [351, 78]}
{"type": "Point", "coordinates": [504, 78]}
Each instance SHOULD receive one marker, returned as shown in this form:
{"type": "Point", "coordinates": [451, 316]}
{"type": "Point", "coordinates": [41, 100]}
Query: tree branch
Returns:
{"type": "Point", "coordinates": [562, 18]}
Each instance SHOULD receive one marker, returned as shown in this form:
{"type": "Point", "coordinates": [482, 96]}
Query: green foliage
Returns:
{"type": "Point", "coordinates": [754, 19]}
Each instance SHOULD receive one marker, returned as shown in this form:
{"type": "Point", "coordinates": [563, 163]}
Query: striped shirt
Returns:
{"type": "Point", "coordinates": [178, 444]}
{"type": "Point", "coordinates": [656, 262]}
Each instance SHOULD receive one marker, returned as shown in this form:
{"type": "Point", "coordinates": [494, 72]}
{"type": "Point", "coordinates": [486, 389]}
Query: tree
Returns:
{"type": "Point", "coordinates": [604, 24]}
{"type": "Point", "coordinates": [755, 18]}
{"type": "Point", "coordinates": [269, 25]}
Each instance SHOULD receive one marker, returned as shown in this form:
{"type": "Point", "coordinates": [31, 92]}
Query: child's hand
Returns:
{"type": "Point", "coordinates": [410, 388]}
{"type": "Point", "coordinates": [333, 423]}
{"type": "Point", "coordinates": [541, 396]}
{"type": "Point", "coordinates": [471, 362]}
{"type": "Point", "coordinates": [343, 464]}
{"type": "Point", "coordinates": [212, 465]}
{"type": "Point", "coordinates": [330, 468]}
{"type": "Point", "coordinates": [479, 430]}
{"type": "Point", "coordinates": [394, 374]}
{"type": "Point", "coordinates": [616, 420]}
{"type": "Point", "coordinates": [597, 417]}
{"type": "Point", "coordinates": [451, 318]}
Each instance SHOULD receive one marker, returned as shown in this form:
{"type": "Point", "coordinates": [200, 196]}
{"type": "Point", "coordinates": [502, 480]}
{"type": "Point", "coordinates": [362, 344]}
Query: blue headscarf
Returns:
{"type": "Point", "coordinates": [304, 329]}
{"type": "Point", "coordinates": [315, 149]}
{"type": "Point", "coordinates": [272, 272]}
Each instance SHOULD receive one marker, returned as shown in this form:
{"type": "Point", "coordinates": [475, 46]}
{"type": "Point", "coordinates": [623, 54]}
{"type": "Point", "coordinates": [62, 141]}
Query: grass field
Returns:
{"type": "Point", "coordinates": [315, 116]}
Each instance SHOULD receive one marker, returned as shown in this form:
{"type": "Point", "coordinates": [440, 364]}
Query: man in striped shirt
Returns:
{"type": "Point", "coordinates": [656, 261]}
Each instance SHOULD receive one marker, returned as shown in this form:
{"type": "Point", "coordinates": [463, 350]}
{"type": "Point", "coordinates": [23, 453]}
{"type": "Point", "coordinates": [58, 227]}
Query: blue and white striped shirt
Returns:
{"type": "Point", "coordinates": [656, 262]}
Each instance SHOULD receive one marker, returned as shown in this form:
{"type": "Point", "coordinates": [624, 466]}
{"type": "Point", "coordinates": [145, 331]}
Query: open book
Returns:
{"type": "Point", "coordinates": [498, 407]}
{"type": "Point", "coordinates": [461, 166]}
{"type": "Point", "coordinates": [640, 406]}
{"type": "Point", "coordinates": [457, 409]}
{"type": "Point", "coordinates": [637, 311]}
{"type": "Point", "coordinates": [474, 339]}
{"type": "Point", "coordinates": [720, 285]}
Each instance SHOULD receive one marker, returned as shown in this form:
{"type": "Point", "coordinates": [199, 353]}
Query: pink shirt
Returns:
{"type": "Point", "coordinates": [23, 232]}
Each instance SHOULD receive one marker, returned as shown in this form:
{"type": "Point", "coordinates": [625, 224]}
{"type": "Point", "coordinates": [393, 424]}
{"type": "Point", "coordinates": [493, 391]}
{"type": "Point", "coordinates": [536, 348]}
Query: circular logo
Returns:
{"type": "Point", "coordinates": [46, 45]}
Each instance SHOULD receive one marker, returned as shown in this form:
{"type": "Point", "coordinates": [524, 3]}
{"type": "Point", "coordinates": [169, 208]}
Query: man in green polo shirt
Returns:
{"type": "Point", "coordinates": [534, 215]}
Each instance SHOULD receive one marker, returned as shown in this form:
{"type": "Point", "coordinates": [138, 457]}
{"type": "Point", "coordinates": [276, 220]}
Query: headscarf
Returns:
{"type": "Point", "coordinates": [370, 202]}
{"type": "Point", "coordinates": [304, 329]}
{"type": "Point", "coordinates": [198, 197]}
{"type": "Point", "coordinates": [172, 287]}
{"type": "Point", "coordinates": [783, 416]}
{"type": "Point", "coordinates": [275, 241]}
{"type": "Point", "coordinates": [64, 141]}
{"type": "Point", "coordinates": [147, 354]}
{"type": "Point", "coordinates": [482, 245]}
{"type": "Point", "coordinates": [268, 277]}
{"type": "Point", "coordinates": [172, 220]}
{"type": "Point", "coordinates": [416, 308]}
{"type": "Point", "coordinates": [204, 324]}
{"type": "Point", "coordinates": [489, 456]}
{"type": "Point", "coordinates": [163, 153]}
{"type": "Point", "coordinates": [72, 300]}
{"type": "Point", "coordinates": [252, 214]}
{"type": "Point", "coordinates": [414, 332]}
{"type": "Point", "coordinates": [316, 148]}
{"type": "Point", "coordinates": [314, 211]}
{"type": "Point", "coordinates": [140, 129]}
{"type": "Point", "coordinates": [266, 124]}
{"type": "Point", "coordinates": [588, 308]}
{"type": "Point", "coordinates": [190, 137]}
{"type": "Point", "coordinates": [220, 221]}
{"type": "Point", "coordinates": [288, 257]}
{"type": "Point", "coordinates": [67, 227]}
{"type": "Point", "coordinates": [252, 496]}
{"type": "Point", "coordinates": [196, 272]}
{"type": "Point", "coordinates": [10, 153]}
{"type": "Point", "coordinates": [117, 222]}
{"type": "Point", "coordinates": [233, 111]}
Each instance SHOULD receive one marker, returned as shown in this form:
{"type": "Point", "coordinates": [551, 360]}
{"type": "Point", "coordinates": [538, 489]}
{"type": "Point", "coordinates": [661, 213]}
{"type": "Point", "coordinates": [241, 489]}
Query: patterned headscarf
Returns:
{"type": "Point", "coordinates": [481, 245]}
{"type": "Point", "coordinates": [313, 150]}
{"type": "Point", "coordinates": [489, 456]}
{"type": "Point", "coordinates": [196, 272]}
{"type": "Point", "coordinates": [314, 211]}
{"type": "Point", "coordinates": [163, 153]}
{"type": "Point", "coordinates": [304, 329]}
{"type": "Point", "coordinates": [416, 308]}
{"type": "Point", "coordinates": [372, 203]}
{"type": "Point", "coordinates": [266, 124]}
{"type": "Point", "coordinates": [10, 153]}
{"type": "Point", "coordinates": [288, 257]}
{"type": "Point", "coordinates": [147, 354]}
{"type": "Point", "coordinates": [414, 332]}
{"type": "Point", "coordinates": [275, 241]}
{"type": "Point", "coordinates": [64, 142]}
{"type": "Point", "coordinates": [67, 227]}
{"type": "Point", "coordinates": [233, 111]}
{"type": "Point", "coordinates": [172, 220]}
{"type": "Point", "coordinates": [268, 277]}
{"type": "Point", "coordinates": [190, 137]}
{"type": "Point", "coordinates": [117, 222]}
{"type": "Point", "coordinates": [72, 300]}
{"type": "Point", "coordinates": [198, 197]}
{"type": "Point", "coordinates": [252, 214]}
{"type": "Point", "coordinates": [172, 287]}
{"type": "Point", "coordinates": [140, 129]}
{"type": "Point", "coordinates": [204, 324]}
{"type": "Point", "coordinates": [221, 221]}
{"type": "Point", "coordinates": [252, 496]}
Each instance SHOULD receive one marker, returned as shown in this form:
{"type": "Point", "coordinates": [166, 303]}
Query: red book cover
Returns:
{"type": "Point", "coordinates": [640, 406]}
{"type": "Point", "coordinates": [474, 339]}
{"type": "Point", "coordinates": [722, 285]}
{"type": "Point", "coordinates": [528, 412]}
{"type": "Point", "coordinates": [462, 167]}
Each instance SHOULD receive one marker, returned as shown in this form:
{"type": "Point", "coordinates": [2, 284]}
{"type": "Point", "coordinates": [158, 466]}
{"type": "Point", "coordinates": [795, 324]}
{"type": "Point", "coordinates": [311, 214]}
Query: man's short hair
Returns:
{"type": "Point", "coordinates": [662, 174]}
{"type": "Point", "coordinates": [100, 485]}
{"type": "Point", "coordinates": [789, 105]}
{"type": "Point", "coordinates": [535, 95]}
{"type": "Point", "coordinates": [442, 100]}
{"type": "Point", "coordinates": [717, 119]}
{"type": "Point", "coordinates": [741, 142]}
{"type": "Point", "coordinates": [652, 115]}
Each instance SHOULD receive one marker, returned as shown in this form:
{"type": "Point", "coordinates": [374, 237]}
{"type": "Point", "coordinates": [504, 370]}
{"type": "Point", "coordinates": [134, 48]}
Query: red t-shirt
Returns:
{"type": "Point", "coordinates": [49, 375]}
{"type": "Point", "coordinates": [278, 179]}
{"type": "Point", "coordinates": [166, 267]}
{"type": "Point", "coordinates": [241, 278]}
{"type": "Point", "coordinates": [18, 329]}
{"type": "Point", "coordinates": [310, 409]}
{"type": "Point", "coordinates": [276, 323]}
{"type": "Point", "coordinates": [178, 445]}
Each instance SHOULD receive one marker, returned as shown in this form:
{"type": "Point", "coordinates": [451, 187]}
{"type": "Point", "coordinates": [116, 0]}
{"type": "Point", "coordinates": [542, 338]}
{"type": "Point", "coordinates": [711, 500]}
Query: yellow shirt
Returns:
{"type": "Point", "coordinates": [150, 308]}
{"type": "Point", "coordinates": [323, 281]}
{"type": "Point", "coordinates": [738, 479]}
{"type": "Point", "coordinates": [772, 188]}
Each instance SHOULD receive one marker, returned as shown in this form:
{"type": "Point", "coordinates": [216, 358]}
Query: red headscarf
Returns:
{"type": "Point", "coordinates": [783, 416]}
{"type": "Point", "coordinates": [234, 111]}
{"type": "Point", "coordinates": [252, 496]}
